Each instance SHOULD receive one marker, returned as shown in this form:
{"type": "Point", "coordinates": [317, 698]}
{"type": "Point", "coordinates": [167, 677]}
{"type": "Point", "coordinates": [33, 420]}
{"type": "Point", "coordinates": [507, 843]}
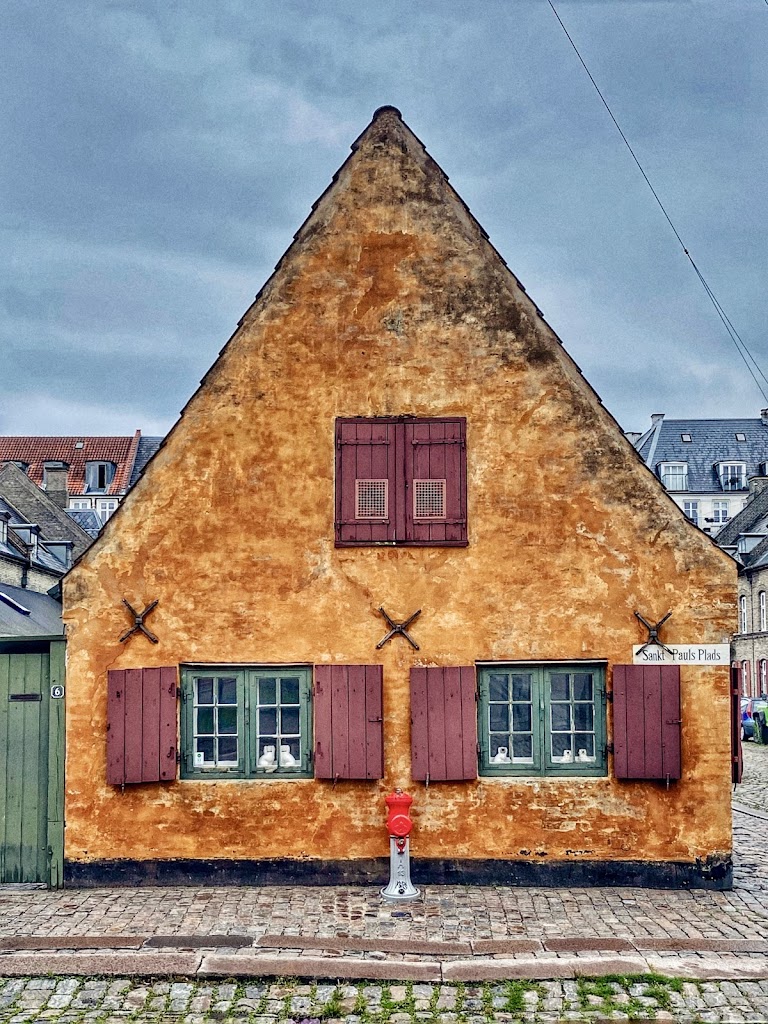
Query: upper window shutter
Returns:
{"type": "Point", "coordinates": [646, 721]}
{"type": "Point", "coordinates": [436, 481]}
{"type": "Point", "coordinates": [443, 724]}
{"type": "Point", "coordinates": [366, 486]}
{"type": "Point", "coordinates": [141, 725]}
{"type": "Point", "coordinates": [737, 756]}
{"type": "Point", "coordinates": [349, 731]}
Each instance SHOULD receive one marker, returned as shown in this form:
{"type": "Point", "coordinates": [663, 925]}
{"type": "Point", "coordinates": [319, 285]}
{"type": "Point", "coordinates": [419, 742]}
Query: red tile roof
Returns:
{"type": "Point", "coordinates": [75, 451]}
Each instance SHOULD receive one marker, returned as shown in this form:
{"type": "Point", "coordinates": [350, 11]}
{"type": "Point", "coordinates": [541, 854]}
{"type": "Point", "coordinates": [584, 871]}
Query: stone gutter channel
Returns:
{"type": "Point", "coordinates": [357, 959]}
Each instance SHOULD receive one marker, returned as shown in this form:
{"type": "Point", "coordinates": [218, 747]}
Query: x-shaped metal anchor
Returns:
{"type": "Point", "coordinates": [400, 628]}
{"type": "Point", "coordinates": [653, 633]}
{"type": "Point", "coordinates": [138, 623]}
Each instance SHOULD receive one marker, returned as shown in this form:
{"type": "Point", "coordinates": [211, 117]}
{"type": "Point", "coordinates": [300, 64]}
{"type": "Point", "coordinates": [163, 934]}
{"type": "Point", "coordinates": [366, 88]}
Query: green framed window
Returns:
{"type": "Point", "coordinates": [246, 722]}
{"type": "Point", "coordinates": [542, 719]}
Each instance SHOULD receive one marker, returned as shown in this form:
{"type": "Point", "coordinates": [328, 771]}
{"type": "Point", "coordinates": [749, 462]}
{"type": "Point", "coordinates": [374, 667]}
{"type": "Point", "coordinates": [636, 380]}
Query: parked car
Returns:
{"type": "Point", "coordinates": [749, 706]}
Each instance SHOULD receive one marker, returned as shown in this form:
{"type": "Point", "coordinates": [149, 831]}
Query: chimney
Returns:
{"type": "Point", "coordinates": [55, 482]}
{"type": "Point", "coordinates": [633, 436]}
{"type": "Point", "coordinates": [757, 483]}
{"type": "Point", "coordinates": [657, 417]}
{"type": "Point", "coordinates": [764, 416]}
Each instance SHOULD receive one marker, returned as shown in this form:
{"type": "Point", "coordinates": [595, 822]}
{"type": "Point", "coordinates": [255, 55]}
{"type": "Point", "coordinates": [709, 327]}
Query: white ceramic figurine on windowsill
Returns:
{"type": "Point", "coordinates": [287, 760]}
{"type": "Point", "coordinates": [267, 759]}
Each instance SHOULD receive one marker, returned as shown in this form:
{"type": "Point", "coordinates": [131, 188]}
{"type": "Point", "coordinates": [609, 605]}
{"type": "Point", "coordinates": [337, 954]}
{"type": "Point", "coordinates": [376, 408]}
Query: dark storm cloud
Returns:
{"type": "Point", "coordinates": [160, 156]}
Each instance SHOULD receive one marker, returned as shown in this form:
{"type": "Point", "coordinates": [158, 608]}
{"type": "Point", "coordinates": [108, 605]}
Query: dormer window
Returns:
{"type": "Point", "coordinates": [674, 475]}
{"type": "Point", "coordinates": [99, 476]}
{"type": "Point", "coordinates": [732, 475]}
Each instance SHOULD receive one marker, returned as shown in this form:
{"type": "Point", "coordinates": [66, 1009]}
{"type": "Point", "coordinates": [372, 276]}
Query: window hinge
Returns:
{"type": "Point", "coordinates": [178, 757]}
{"type": "Point", "coordinates": [179, 693]}
{"type": "Point", "coordinates": [609, 748]}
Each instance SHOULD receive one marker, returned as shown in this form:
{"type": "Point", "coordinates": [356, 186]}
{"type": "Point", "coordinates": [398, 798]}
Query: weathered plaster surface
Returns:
{"type": "Point", "coordinates": [392, 302]}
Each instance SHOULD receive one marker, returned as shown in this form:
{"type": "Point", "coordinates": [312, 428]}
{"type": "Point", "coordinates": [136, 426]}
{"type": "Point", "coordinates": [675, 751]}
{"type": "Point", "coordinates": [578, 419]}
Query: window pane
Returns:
{"type": "Point", "coordinates": [561, 717]}
{"type": "Point", "coordinates": [227, 690]}
{"type": "Point", "coordinates": [560, 686]}
{"type": "Point", "coordinates": [228, 721]}
{"type": "Point", "coordinates": [289, 721]}
{"type": "Point", "coordinates": [205, 721]}
{"type": "Point", "coordinates": [267, 691]}
{"type": "Point", "coordinates": [289, 691]}
{"type": "Point", "coordinates": [228, 749]}
{"type": "Point", "coordinates": [521, 687]}
{"type": "Point", "coordinates": [290, 753]}
{"type": "Point", "coordinates": [584, 744]}
{"type": "Point", "coordinates": [499, 747]}
{"type": "Point", "coordinates": [582, 686]}
{"type": "Point", "coordinates": [499, 717]}
{"type": "Point", "coordinates": [583, 717]}
{"type": "Point", "coordinates": [522, 748]}
{"type": "Point", "coordinates": [204, 747]}
{"type": "Point", "coordinates": [498, 687]}
{"type": "Point", "coordinates": [268, 721]}
{"type": "Point", "coordinates": [561, 747]}
{"type": "Point", "coordinates": [204, 691]}
{"type": "Point", "coordinates": [521, 717]}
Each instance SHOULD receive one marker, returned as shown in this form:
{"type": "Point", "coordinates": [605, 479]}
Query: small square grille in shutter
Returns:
{"type": "Point", "coordinates": [429, 499]}
{"type": "Point", "coordinates": [371, 499]}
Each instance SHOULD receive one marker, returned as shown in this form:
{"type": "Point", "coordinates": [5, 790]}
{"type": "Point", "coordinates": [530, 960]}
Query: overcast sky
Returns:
{"type": "Point", "coordinates": [158, 156]}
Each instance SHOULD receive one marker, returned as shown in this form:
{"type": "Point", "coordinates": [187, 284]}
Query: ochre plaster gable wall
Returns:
{"type": "Point", "coordinates": [392, 302]}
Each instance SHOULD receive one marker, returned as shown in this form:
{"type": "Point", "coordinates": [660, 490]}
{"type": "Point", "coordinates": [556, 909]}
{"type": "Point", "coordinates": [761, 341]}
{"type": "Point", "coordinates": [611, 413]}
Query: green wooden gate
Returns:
{"type": "Point", "coordinates": [31, 762]}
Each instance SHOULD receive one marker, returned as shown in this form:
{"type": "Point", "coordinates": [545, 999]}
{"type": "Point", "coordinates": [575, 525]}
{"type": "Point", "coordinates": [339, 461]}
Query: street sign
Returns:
{"type": "Point", "coordinates": [682, 654]}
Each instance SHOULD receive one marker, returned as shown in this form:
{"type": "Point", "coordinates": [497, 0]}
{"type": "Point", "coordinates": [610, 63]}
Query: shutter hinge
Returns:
{"type": "Point", "coordinates": [477, 746]}
{"type": "Point", "coordinates": [609, 748]}
{"type": "Point", "coordinates": [178, 757]}
{"type": "Point", "coordinates": [609, 695]}
{"type": "Point", "coordinates": [179, 693]}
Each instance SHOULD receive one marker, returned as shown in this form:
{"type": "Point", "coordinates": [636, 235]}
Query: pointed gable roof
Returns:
{"type": "Point", "coordinates": [353, 264]}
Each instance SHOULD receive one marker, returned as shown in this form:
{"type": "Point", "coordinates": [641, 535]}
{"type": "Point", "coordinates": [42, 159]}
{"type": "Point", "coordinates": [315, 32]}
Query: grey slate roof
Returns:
{"type": "Point", "coordinates": [43, 618]}
{"type": "Point", "coordinates": [146, 449]}
{"type": "Point", "coordinates": [86, 519]}
{"type": "Point", "coordinates": [712, 441]}
{"type": "Point", "coordinates": [746, 520]}
{"type": "Point", "coordinates": [33, 505]}
{"type": "Point", "coordinates": [44, 559]}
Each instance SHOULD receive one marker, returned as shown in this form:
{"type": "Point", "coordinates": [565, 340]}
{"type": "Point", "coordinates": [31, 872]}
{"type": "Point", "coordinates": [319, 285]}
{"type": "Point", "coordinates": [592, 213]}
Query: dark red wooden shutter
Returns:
{"type": "Point", "coordinates": [443, 724]}
{"type": "Point", "coordinates": [737, 756]}
{"type": "Point", "coordinates": [349, 730]}
{"type": "Point", "coordinates": [646, 721]}
{"type": "Point", "coordinates": [436, 481]}
{"type": "Point", "coordinates": [365, 476]}
{"type": "Point", "coordinates": [141, 725]}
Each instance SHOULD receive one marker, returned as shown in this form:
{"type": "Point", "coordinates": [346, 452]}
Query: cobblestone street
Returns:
{"type": "Point", "coordinates": [120, 1002]}
{"type": "Point", "coordinates": [663, 954]}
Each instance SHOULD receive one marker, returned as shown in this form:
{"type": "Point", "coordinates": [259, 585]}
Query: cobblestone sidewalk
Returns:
{"type": "Point", "coordinates": [596, 1000]}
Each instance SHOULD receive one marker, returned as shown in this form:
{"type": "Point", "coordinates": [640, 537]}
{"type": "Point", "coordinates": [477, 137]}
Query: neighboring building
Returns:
{"type": "Point", "coordinates": [705, 465]}
{"type": "Point", "coordinates": [31, 735]}
{"type": "Point", "coordinates": [82, 473]}
{"type": "Point", "coordinates": [38, 540]}
{"type": "Point", "coordinates": [395, 427]}
{"type": "Point", "coordinates": [745, 537]}
{"type": "Point", "coordinates": [58, 530]}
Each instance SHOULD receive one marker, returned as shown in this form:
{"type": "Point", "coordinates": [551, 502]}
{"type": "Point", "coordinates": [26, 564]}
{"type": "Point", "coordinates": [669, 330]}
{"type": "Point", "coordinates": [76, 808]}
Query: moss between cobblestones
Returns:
{"type": "Point", "coordinates": [634, 997]}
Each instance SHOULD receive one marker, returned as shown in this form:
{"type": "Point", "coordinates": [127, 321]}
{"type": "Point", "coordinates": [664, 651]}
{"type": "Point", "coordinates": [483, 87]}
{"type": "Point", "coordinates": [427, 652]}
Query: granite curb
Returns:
{"type": "Point", "coordinates": [339, 944]}
{"type": "Point", "coordinates": [253, 965]}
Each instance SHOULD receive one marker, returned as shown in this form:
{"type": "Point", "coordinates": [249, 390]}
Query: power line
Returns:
{"type": "Point", "coordinates": [738, 341]}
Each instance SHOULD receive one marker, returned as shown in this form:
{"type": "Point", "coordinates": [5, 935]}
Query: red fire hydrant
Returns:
{"type": "Point", "coordinates": [399, 825]}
